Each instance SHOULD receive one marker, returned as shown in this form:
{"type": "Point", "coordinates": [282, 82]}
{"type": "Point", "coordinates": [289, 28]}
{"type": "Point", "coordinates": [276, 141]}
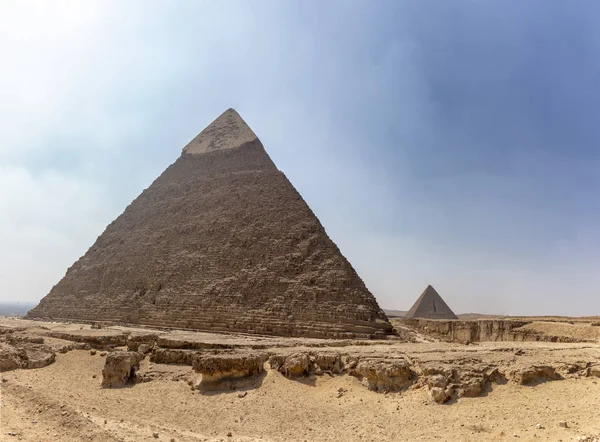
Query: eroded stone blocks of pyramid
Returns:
{"type": "Point", "coordinates": [221, 241]}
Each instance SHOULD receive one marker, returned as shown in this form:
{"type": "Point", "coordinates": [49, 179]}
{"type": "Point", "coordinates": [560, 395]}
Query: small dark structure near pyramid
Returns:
{"type": "Point", "coordinates": [221, 241]}
{"type": "Point", "coordinates": [430, 305]}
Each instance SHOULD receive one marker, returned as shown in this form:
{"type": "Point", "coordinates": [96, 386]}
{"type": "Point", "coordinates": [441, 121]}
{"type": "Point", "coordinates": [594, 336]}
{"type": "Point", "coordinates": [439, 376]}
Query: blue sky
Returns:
{"type": "Point", "coordinates": [451, 143]}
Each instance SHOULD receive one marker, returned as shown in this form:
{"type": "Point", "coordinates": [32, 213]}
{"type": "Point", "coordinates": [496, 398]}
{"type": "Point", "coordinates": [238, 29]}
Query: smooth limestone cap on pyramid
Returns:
{"type": "Point", "coordinates": [221, 241]}
{"type": "Point", "coordinates": [430, 305]}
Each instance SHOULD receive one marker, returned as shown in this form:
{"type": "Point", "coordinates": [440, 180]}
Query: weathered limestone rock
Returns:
{"type": "Point", "coordinates": [471, 382]}
{"type": "Point", "coordinates": [592, 369]}
{"type": "Point", "coordinates": [276, 361]}
{"type": "Point", "coordinates": [447, 382]}
{"type": "Point", "coordinates": [170, 341]}
{"type": "Point", "coordinates": [384, 375]}
{"type": "Point", "coordinates": [39, 357]}
{"type": "Point", "coordinates": [530, 375]}
{"type": "Point", "coordinates": [15, 339]}
{"type": "Point", "coordinates": [570, 370]}
{"type": "Point", "coordinates": [74, 346]}
{"type": "Point", "coordinates": [173, 356]}
{"type": "Point", "coordinates": [303, 364]}
{"type": "Point", "coordinates": [120, 368]}
{"type": "Point", "coordinates": [144, 348]}
{"type": "Point", "coordinates": [11, 358]}
{"type": "Point", "coordinates": [437, 380]}
{"type": "Point", "coordinates": [295, 365]}
{"type": "Point", "coordinates": [25, 355]}
{"type": "Point", "coordinates": [100, 341]}
{"type": "Point", "coordinates": [221, 241]}
{"type": "Point", "coordinates": [134, 340]}
{"type": "Point", "coordinates": [481, 330]}
{"type": "Point", "coordinates": [298, 364]}
{"type": "Point", "coordinates": [13, 336]}
{"type": "Point", "coordinates": [327, 363]}
{"type": "Point", "coordinates": [439, 395]}
{"type": "Point", "coordinates": [494, 375]}
{"type": "Point", "coordinates": [220, 371]}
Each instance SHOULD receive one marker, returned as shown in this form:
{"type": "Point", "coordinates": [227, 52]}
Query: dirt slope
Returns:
{"type": "Point", "coordinates": [280, 410]}
{"type": "Point", "coordinates": [64, 401]}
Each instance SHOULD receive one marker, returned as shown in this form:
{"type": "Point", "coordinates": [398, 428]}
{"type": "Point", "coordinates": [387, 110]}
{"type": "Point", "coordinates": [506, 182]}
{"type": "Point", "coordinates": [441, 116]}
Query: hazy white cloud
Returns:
{"type": "Point", "coordinates": [368, 113]}
{"type": "Point", "coordinates": [55, 96]}
{"type": "Point", "coordinates": [44, 222]}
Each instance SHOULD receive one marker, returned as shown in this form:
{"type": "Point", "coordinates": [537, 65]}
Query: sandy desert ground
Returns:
{"type": "Point", "coordinates": [65, 401]}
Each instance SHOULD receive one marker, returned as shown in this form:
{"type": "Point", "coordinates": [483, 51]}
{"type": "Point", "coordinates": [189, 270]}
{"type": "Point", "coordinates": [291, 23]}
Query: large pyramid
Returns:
{"type": "Point", "coordinates": [430, 305]}
{"type": "Point", "coordinates": [221, 241]}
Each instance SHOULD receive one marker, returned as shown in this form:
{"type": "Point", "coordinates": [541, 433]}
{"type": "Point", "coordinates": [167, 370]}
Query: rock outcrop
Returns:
{"type": "Point", "coordinates": [173, 356]}
{"type": "Point", "coordinates": [384, 375]}
{"type": "Point", "coordinates": [481, 330]}
{"type": "Point", "coordinates": [375, 374]}
{"type": "Point", "coordinates": [213, 362]}
{"type": "Point", "coordinates": [21, 351]}
{"type": "Point", "coordinates": [294, 365]}
{"type": "Point", "coordinates": [120, 368]}
{"type": "Point", "coordinates": [221, 241]}
{"type": "Point", "coordinates": [534, 374]}
{"type": "Point", "coordinates": [135, 340]}
{"type": "Point", "coordinates": [444, 383]}
{"type": "Point", "coordinates": [25, 356]}
{"type": "Point", "coordinates": [104, 341]}
{"type": "Point", "coordinates": [222, 371]}
{"type": "Point", "coordinates": [11, 357]}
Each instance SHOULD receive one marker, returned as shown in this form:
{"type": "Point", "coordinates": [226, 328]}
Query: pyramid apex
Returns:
{"type": "Point", "coordinates": [227, 131]}
{"type": "Point", "coordinates": [429, 288]}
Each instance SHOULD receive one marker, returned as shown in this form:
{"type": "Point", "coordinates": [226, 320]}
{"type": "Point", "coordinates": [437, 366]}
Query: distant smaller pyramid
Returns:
{"type": "Point", "coordinates": [430, 305]}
